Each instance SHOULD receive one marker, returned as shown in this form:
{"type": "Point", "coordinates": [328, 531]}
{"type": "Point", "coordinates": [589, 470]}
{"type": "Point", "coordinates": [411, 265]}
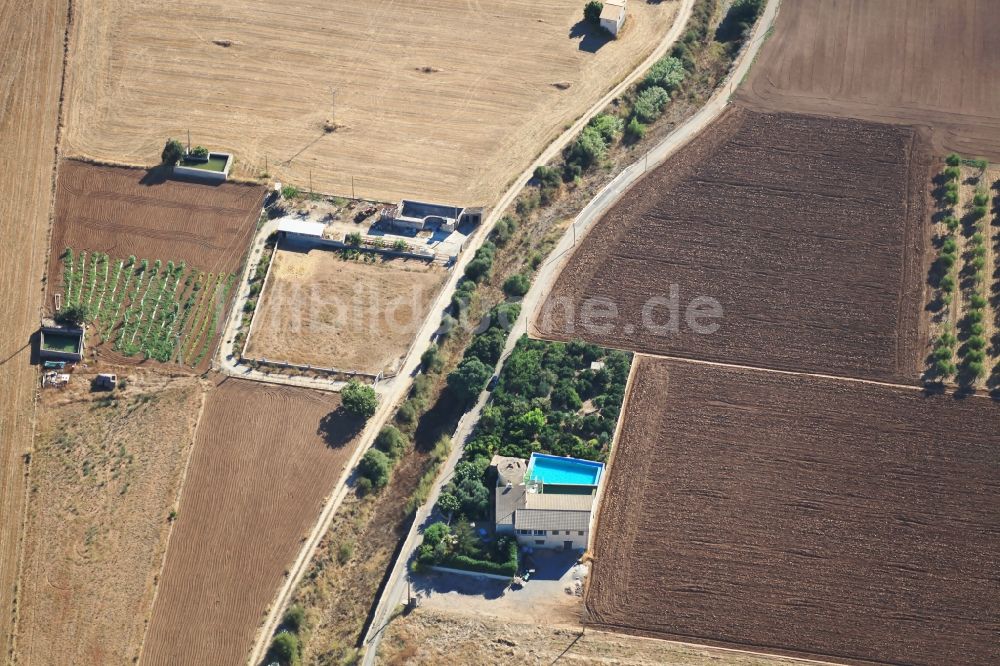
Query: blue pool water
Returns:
{"type": "Point", "coordinates": [571, 471]}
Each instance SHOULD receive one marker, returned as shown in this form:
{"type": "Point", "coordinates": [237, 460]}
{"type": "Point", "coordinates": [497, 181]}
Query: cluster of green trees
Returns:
{"type": "Point", "coordinates": [458, 547]}
{"type": "Point", "coordinates": [738, 21]}
{"type": "Point", "coordinates": [481, 267]}
{"type": "Point", "coordinates": [481, 356]}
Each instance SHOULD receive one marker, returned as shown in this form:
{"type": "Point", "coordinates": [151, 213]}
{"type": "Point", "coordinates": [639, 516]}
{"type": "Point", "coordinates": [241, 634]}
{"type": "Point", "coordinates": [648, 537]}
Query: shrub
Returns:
{"type": "Point", "coordinates": [506, 225]}
{"type": "Point", "coordinates": [608, 125]}
{"type": "Point", "coordinates": [74, 315]}
{"type": "Point", "coordinates": [953, 159]}
{"type": "Point", "coordinates": [976, 342]}
{"type": "Point", "coordinates": [430, 360]}
{"type": "Point", "coordinates": [516, 285]}
{"type": "Point", "coordinates": [947, 284]}
{"type": "Point", "coordinates": [592, 12]}
{"type": "Point", "coordinates": [944, 368]}
{"type": "Point", "coordinates": [977, 301]}
{"type": "Point", "coordinates": [951, 222]}
{"type": "Point", "coordinates": [949, 246]}
{"type": "Point", "coordinates": [359, 399]}
{"type": "Point", "coordinates": [294, 618]}
{"type": "Point", "coordinates": [650, 103]}
{"type": "Point", "coordinates": [588, 149]}
{"type": "Point", "coordinates": [345, 550]}
{"type": "Point", "coordinates": [290, 192]}
{"type": "Point", "coordinates": [546, 177]}
{"type": "Point", "coordinates": [979, 212]}
{"type": "Point", "coordinates": [375, 466]}
{"type": "Point", "coordinates": [635, 130]}
{"type": "Point", "coordinates": [980, 199]}
{"type": "Point", "coordinates": [354, 239]}
{"type": "Point", "coordinates": [667, 73]}
{"type": "Point", "coordinates": [172, 153]}
{"type": "Point", "coordinates": [468, 379]}
{"type": "Point", "coordinates": [399, 245]}
{"type": "Point", "coordinates": [200, 151]}
{"type": "Point", "coordinates": [284, 649]}
{"type": "Point", "coordinates": [391, 442]}
{"type": "Point", "coordinates": [952, 173]}
{"type": "Point", "coordinates": [481, 266]}
{"type": "Point", "coordinates": [487, 346]}
{"type": "Point", "coordinates": [738, 20]}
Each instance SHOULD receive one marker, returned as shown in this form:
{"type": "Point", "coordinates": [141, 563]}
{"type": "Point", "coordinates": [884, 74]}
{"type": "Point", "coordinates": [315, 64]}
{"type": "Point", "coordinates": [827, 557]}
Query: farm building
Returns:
{"type": "Point", "coordinates": [546, 501]}
{"type": "Point", "coordinates": [59, 343]}
{"type": "Point", "coordinates": [613, 16]}
{"type": "Point", "coordinates": [294, 229]}
{"type": "Point", "coordinates": [418, 216]}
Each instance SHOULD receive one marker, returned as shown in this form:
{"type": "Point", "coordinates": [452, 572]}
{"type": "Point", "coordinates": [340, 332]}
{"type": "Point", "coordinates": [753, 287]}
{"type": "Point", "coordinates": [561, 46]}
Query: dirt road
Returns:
{"type": "Point", "coordinates": [30, 79]}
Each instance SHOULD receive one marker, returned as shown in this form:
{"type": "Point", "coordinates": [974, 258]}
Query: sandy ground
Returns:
{"type": "Point", "coordinates": [436, 636]}
{"type": "Point", "coordinates": [447, 99]}
{"type": "Point", "coordinates": [105, 475]}
{"type": "Point", "coordinates": [321, 309]}
{"type": "Point", "coordinates": [30, 73]}
{"type": "Point", "coordinates": [906, 61]}
{"type": "Point", "coordinates": [264, 458]}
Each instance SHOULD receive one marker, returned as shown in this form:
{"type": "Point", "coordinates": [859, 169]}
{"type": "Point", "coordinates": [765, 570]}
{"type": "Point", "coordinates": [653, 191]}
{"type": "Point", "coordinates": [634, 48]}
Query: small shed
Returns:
{"type": "Point", "coordinates": [613, 16]}
{"type": "Point", "coordinates": [293, 229]}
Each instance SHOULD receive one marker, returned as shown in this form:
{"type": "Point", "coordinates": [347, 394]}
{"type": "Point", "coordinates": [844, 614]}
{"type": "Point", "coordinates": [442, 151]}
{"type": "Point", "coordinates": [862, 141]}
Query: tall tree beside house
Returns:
{"type": "Point", "coordinates": [172, 153]}
{"type": "Point", "coordinates": [592, 12]}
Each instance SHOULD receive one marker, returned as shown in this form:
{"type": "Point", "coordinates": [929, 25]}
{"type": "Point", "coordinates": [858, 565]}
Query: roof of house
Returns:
{"type": "Point", "coordinates": [558, 501]}
{"type": "Point", "coordinates": [612, 11]}
{"type": "Point", "coordinates": [544, 519]}
{"type": "Point", "coordinates": [508, 500]}
{"type": "Point", "coordinates": [303, 227]}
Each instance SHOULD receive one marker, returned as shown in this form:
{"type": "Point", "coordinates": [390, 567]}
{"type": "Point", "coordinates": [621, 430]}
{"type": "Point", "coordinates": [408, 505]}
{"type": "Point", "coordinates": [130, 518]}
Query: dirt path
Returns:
{"type": "Point", "coordinates": [30, 79]}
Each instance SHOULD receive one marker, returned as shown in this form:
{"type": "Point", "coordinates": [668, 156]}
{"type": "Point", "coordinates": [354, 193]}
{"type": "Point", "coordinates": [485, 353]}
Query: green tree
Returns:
{"type": "Point", "coordinates": [77, 314]}
{"type": "Point", "coordinates": [650, 104]}
{"type": "Point", "coordinates": [487, 346]}
{"type": "Point", "coordinates": [468, 379]}
{"type": "Point", "coordinates": [667, 73]}
{"type": "Point", "coordinates": [354, 239]}
{"type": "Point", "coordinates": [284, 650]}
{"type": "Point", "coordinates": [516, 285]}
{"type": "Point", "coordinates": [635, 130]}
{"type": "Point", "coordinates": [359, 399]}
{"type": "Point", "coordinates": [592, 12]}
{"type": "Point", "coordinates": [375, 466]}
{"type": "Point", "coordinates": [953, 159]}
{"type": "Point", "coordinates": [608, 125]}
{"type": "Point", "coordinates": [430, 360]}
{"type": "Point", "coordinates": [391, 442]}
{"type": "Point", "coordinates": [436, 533]}
{"type": "Point", "coordinates": [448, 503]}
{"type": "Point", "coordinates": [294, 618]}
{"type": "Point", "coordinates": [172, 153]}
{"type": "Point", "coordinates": [588, 149]}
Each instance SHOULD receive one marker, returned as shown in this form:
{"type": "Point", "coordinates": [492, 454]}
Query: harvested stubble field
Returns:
{"type": "Point", "coordinates": [264, 459]}
{"type": "Point", "coordinates": [809, 232]}
{"type": "Point", "coordinates": [906, 61]}
{"type": "Point", "coordinates": [445, 99]}
{"type": "Point", "coordinates": [810, 515]}
{"type": "Point", "coordinates": [322, 309]}
{"type": "Point", "coordinates": [106, 471]}
{"type": "Point", "coordinates": [30, 75]}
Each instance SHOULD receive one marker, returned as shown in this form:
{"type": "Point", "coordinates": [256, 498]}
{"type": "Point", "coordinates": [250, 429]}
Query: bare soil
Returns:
{"type": "Point", "coordinates": [808, 232]}
{"type": "Point", "coordinates": [319, 308]}
{"type": "Point", "coordinates": [124, 211]}
{"type": "Point", "coordinates": [106, 471]}
{"type": "Point", "coordinates": [30, 75]}
{"type": "Point", "coordinates": [431, 637]}
{"type": "Point", "coordinates": [446, 100]}
{"type": "Point", "coordinates": [798, 514]}
{"type": "Point", "coordinates": [901, 61]}
{"type": "Point", "coordinates": [263, 461]}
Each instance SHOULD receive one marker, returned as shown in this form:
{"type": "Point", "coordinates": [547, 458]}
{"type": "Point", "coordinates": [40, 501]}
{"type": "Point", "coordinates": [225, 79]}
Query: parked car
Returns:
{"type": "Point", "coordinates": [494, 380]}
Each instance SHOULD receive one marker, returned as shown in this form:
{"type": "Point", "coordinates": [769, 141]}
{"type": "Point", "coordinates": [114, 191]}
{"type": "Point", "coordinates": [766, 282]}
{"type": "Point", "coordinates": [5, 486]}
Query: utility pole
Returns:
{"type": "Point", "coordinates": [352, 188]}
{"type": "Point", "coordinates": [189, 141]}
{"type": "Point", "coordinates": [310, 182]}
{"type": "Point", "coordinates": [333, 105]}
{"type": "Point", "coordinates": [265, 163]}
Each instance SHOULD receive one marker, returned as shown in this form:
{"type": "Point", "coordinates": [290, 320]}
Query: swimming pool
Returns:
{"type": "Point", "coordinates": [564, 471]}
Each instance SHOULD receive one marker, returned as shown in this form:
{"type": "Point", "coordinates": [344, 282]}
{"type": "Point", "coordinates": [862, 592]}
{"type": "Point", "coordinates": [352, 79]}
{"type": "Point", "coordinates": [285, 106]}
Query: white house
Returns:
{"type": "Point", "coordinates": [547, 501]}
{"type": "Point", "coordinates": [613, 16]}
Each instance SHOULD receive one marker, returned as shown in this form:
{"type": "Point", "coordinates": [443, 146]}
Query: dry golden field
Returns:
{"type": "Point", "coordinates": [106, 471]}
{"type": "Point", "coordinates": [444, 99]}
{"type": "Point", "coordinates": [31, 35]}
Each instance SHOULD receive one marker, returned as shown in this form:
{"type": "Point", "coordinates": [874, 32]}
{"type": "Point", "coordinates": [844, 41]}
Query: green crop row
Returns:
{"type": "Point", "coordinates": [217, 314]}
{"type": "Point", "coordinates": [202, 311]}
{"type": "Point", "coordinates": [67, 259]}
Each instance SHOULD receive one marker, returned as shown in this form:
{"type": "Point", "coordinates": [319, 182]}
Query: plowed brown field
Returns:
{"type": "Point", "coordinates": [821, 516]}
{"type": "Point", "coordinates": [807, 231]}
{"type": "Point", "coordinates": [124, 211]}
{"type": "Point", "coordinates": [908, 61]}
{"type": "Point", "coordinates": [263, 461]}
{"type": "Point", "coordinates": [106, 471]}
{"type": "Point", "coordinates": [30, 75]}
{"type": "Point", "coordinates": [446, 99]}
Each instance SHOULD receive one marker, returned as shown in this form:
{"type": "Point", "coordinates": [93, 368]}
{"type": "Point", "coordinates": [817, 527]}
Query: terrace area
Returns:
{"type": "Point", "coordinates": [556, 470]}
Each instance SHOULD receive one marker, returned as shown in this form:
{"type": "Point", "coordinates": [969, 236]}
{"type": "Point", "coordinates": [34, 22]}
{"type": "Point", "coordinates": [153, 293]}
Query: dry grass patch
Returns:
{"type": "Point", "coordinates": [106, 472]}
{"type": "Point", "coordinates": [320, 308]}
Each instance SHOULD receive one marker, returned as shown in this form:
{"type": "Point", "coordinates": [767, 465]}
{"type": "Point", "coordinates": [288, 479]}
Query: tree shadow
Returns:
{"type": "Point", "coordinates": [339, 427]}
{"type": "Point", "coordinates": [592, 37]}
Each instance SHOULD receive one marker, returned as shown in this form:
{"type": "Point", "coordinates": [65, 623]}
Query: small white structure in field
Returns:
{"type": "Point", "coordinates": [613, 16]}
